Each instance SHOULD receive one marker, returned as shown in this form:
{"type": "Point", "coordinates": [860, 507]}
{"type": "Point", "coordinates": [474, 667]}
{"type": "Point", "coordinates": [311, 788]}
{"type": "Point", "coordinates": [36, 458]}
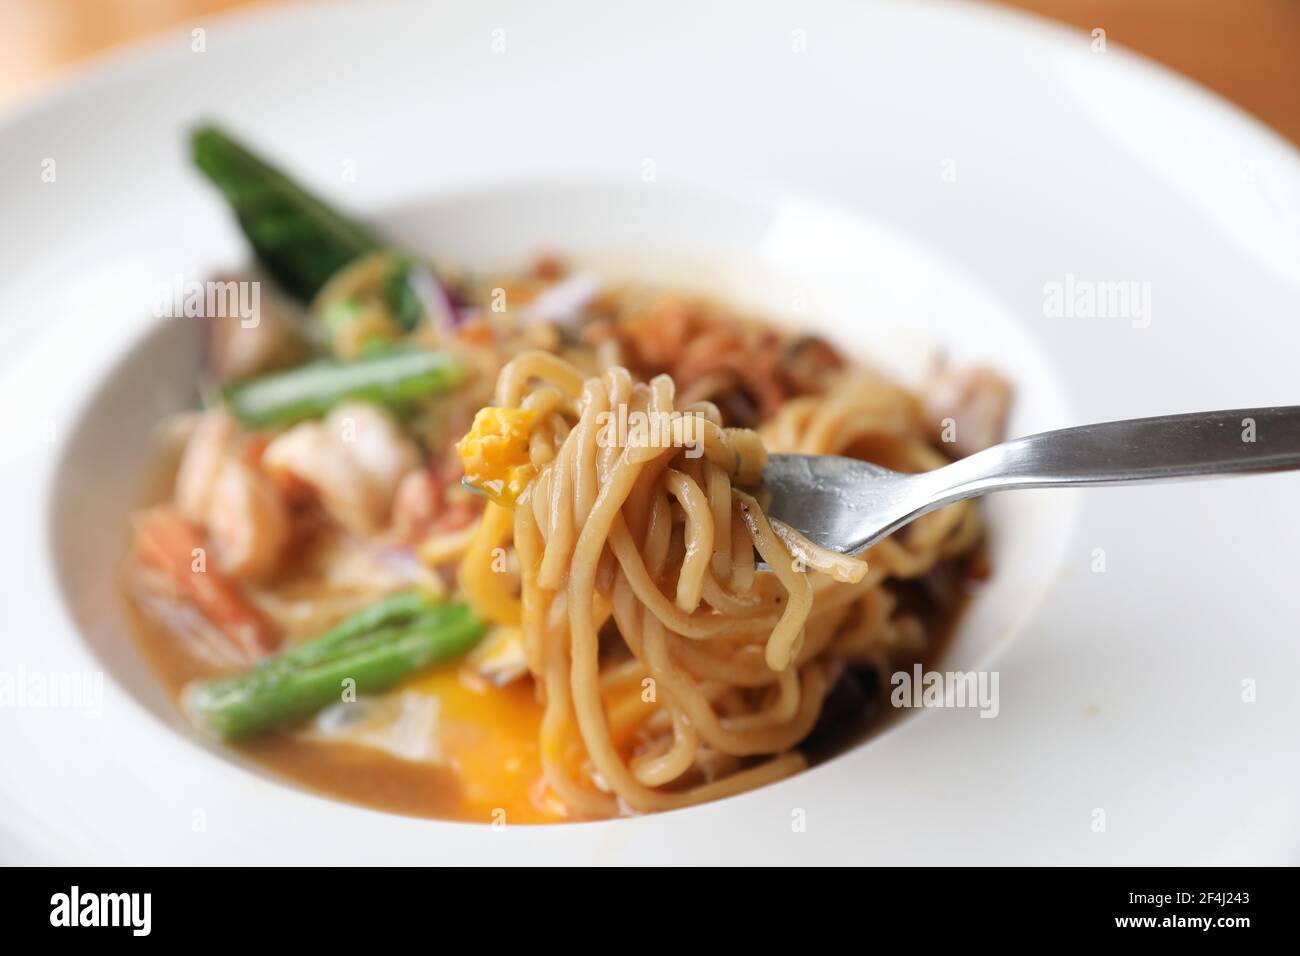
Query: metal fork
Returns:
{"type": "Point", "coordinates": [848, 505]}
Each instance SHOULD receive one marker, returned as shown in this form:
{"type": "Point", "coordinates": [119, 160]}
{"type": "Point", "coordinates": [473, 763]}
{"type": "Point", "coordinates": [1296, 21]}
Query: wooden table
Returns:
{"type": "Point", "coordinates": [1246, 50]}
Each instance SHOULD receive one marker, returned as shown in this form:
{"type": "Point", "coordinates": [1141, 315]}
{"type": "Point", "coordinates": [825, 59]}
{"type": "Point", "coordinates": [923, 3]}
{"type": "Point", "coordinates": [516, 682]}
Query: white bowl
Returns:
{"type": "Point", "coordinates": [1122, 693]}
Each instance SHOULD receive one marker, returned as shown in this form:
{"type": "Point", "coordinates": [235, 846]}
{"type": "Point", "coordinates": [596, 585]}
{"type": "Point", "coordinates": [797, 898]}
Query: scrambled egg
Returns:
{"type": "Point", "coordinates": [495, 453]}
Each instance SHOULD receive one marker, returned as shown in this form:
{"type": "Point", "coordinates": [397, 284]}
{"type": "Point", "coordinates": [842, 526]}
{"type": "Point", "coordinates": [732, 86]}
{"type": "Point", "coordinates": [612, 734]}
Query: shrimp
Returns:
{"type": "Point", "coordinates": [166, 541]}
{"type": "Point", "coordinates": [247, 521]}
{"type": "Point", "coordinates": [243, 512]}
{"type": "Point", "coordinates": [355, 459]}
{"type": "Point", "coordinates": [212, 441]}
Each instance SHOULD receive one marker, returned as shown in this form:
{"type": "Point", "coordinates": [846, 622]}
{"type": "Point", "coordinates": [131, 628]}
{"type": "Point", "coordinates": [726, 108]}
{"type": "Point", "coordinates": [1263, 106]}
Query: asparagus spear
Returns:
{"type": "Point", "coordinates": [391, 378]}
{"type": "Point", "coordinates": [301, 240]}
{"type": "Point", "coordinates": [310, 678]}
{"type": "Point", "coordinates": [398, 608]}
{"type": "Point", "coordinates": [303, 243]}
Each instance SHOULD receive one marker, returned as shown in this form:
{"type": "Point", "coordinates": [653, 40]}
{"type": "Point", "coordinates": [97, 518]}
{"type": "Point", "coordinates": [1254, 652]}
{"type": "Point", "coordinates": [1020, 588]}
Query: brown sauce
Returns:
{"type": "Point", "coordinates": [856, 708]}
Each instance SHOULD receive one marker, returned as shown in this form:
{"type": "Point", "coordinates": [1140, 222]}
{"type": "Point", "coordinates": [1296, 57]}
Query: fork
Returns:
{"type": "Point", "coordinates": [848, 505]}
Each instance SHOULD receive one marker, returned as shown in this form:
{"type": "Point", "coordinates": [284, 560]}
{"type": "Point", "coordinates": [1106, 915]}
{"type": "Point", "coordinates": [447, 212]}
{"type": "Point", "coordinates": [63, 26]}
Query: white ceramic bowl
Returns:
{"type": "Point", "coordinates": [959, 161]}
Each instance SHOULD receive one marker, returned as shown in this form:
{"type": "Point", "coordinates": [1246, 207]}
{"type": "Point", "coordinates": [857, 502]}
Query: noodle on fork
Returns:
{"type": "Point", "coordinates": [648, 528]}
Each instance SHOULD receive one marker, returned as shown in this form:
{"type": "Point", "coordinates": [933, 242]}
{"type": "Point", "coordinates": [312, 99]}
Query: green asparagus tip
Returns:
{"type": "Point", "coordinates": [369, 652]}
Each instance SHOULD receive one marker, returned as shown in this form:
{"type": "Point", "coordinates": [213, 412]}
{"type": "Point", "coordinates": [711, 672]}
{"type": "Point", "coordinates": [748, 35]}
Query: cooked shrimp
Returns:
{"type": "Point", "coordinates": [355, 458]}
{"type": "Point", "coordinates": [247, 521]}
{"type": "Point", "coordinates": [211, 442]}
{"type": "Point", "coordinates": [245, 516]}
{"type": "Point", "coordinates": [166, 541]}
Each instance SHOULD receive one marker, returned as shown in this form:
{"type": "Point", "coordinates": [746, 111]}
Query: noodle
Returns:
{"type": "Point", "coordinates": [648, 530]}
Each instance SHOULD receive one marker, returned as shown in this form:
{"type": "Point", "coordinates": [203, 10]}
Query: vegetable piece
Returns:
{"type": "Point", "coordinates": [166, 541]}
{"type": "Point", "coordinates": [305, 244]}
{"type": "Point", "coordinates": [375, 648]}
{"type": "Point", "coordinates": [389, 378]}
{"type": "Point", "coordinates": [356, 326]}
{"type": "Point", "coordinates": [562, 303]}
{"type": "Point", "coordinates": [406, 290]}
{"type": "Point", "coordinates": [378, 299]}
{"type": "Point", "coordinates": [301, 240]}
{"type": "Point", "coordinates": [396, 609]}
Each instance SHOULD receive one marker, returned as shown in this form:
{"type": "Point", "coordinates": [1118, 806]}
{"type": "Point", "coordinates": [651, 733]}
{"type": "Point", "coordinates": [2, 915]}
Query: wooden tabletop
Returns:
{"type": "Point", "coordinates": [1246, 50]}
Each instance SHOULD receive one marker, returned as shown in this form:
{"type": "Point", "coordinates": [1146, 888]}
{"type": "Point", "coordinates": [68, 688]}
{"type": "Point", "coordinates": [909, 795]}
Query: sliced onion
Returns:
{"type": "Point", "coordinates": [562, 303]}
{"type": "Point", "coordinates": [442, 312]}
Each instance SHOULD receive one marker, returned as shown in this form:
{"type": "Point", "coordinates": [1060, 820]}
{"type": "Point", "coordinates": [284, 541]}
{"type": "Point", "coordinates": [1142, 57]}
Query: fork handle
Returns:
{"type": "Point", "coordinates": [1140, 449]}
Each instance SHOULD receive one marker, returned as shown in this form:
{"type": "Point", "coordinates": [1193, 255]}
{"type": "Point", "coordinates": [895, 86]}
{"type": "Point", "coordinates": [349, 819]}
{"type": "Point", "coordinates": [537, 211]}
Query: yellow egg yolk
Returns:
{"type": "Point", "coordinates": [489, 736]}
{"type": "Point", "coordinates": [495, 453]}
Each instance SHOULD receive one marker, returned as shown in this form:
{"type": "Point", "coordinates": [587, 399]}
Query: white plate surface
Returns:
{"type": "Point", "coordinates": [911, 174]}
